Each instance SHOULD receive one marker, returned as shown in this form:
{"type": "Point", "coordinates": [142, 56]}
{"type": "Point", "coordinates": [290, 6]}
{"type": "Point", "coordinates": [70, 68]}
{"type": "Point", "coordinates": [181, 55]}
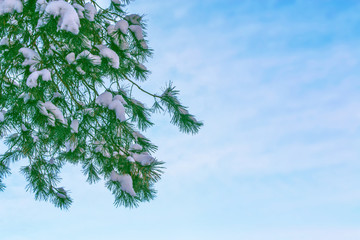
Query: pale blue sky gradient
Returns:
{"type": "Point", "coordinates": [277, 86]}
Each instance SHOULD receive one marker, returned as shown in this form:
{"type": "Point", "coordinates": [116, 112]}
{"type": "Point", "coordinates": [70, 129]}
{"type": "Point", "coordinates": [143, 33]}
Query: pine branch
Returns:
{"type": "Point", "coordinates": [55, 115]}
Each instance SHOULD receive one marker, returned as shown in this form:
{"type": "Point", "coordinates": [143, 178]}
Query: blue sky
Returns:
{"type": "Point", "coordinates": [277, 86]}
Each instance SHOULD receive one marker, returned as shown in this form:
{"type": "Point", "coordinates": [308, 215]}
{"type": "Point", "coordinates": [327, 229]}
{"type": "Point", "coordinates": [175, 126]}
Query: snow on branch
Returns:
{"type": "Point", "coordinates": [69, 19]}
{"type": "Point", "coordinates": [125, 181]}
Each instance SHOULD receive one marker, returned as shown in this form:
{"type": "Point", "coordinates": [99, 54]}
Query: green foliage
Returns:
{"type": "Point", "coordinates": [104, 145]}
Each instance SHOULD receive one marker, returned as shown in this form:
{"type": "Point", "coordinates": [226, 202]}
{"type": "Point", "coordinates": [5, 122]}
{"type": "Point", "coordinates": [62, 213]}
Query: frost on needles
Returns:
{"type": "Point", "coordinates": [68, 69]}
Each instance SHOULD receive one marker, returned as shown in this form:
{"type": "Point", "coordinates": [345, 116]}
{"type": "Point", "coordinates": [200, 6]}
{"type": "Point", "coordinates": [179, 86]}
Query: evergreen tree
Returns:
{"type": "Point", "coordinates": [68, 69]}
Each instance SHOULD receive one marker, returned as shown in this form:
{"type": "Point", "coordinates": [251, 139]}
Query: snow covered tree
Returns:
{"type": "Point", "coordinates": [68, 70]}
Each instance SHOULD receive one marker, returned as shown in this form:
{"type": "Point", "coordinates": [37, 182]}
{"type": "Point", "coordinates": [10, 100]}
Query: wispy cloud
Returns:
{"type": "Point", "coordinates": [296, 105]}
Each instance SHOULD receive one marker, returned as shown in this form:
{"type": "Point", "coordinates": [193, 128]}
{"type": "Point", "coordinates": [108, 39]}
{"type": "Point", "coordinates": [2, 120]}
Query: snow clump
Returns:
{"type": "Point", "coordinates": [69, 19]}
{"type": "Point", "coordinates": [74, 126]}
{"type": "Point", "coordinates": [142, 67]}
{"type": "Point", "coordinates": [119, 109]}
{"type": "Point", "coordinates": [144, 44]}
{"type": "Point", "coordinates": [56, 113]}
{"type": "Point", "coordinates": [80, 70]}
{"type": "Point", "coordinates": [55, 110]}
{"type": "Point", "coordinates": [90, 12]}
{"type": "Point", "coordinates": [70, 58]}
{"type": "Point", "coordinates": [137, 135]}
{"type": "Point", "coordinates": [71, 145]}
{"type": "Point", "coordinates": [110, 29]}
{"type": "Point", "coordinates": [120, 98]}
{"type": "Point", "coordinates": [79, 9]}
{"type": "Point", "coordinates": [31, 57]}
{"type": "Point", "coordinates": [122, 25]}
{"type": "Point", "coordinates": [137, 30]}
{"type": "Point", "coordinates": [61, 192]}
{"type": "Point", "coordinates": [135, 147]}
{"type": "Point", "coordinates": [130, 159]}
{"type": "Point", "coordinates": [133, 19]}
{"type": "Point", "coordinates": [143, 158]}
{"type": "Point", "coordinates": [25, 96]}
{"type": "Point", "coordinates": [4, 42]}
{"type": "Point", "coordinates": [104, 99]}
{"type": "Point", "coordinates": [24, 128]}
{"type": "Point", "coordinates": [108, 53]}
{"type": "Point", "coordinates": [31, 81]}
{"type": "Point", "coordinates": [96, 60]}
{"type": "Point", "coordinates": [125, 181]}
{"type": "Point", "coordinates": [9, 6]}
